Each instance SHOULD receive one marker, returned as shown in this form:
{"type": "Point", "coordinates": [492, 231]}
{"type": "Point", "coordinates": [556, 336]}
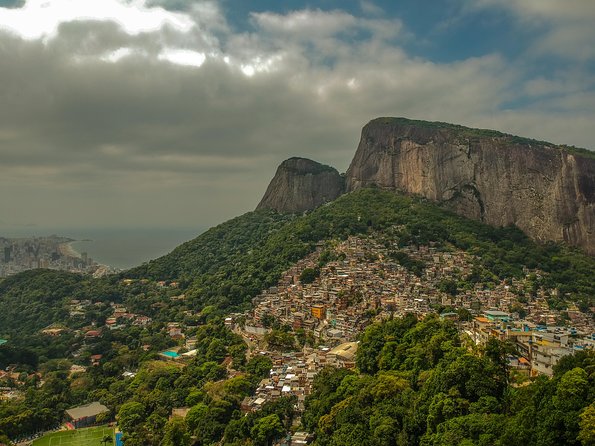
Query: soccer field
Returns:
{"type": "Point", "coordinates": [91, 436]}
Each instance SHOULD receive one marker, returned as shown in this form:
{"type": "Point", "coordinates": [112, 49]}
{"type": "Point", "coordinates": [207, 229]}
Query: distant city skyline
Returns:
{"type": "Point", "coordinates": [156, 113]}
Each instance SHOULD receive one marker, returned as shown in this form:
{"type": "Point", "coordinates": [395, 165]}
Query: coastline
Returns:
{"type": "Point", "coordinates": [67, 250]}
{"type": "Point", "coordinates": [127, 248]}
{"type": "Point", "coordinates": [115, 249]}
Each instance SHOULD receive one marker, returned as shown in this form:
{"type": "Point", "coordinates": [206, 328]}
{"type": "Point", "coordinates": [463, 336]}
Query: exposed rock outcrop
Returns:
{"type": "Point", "coordinates": [301, 184]}
{"type": "Point", "coordinates": [546, 190]}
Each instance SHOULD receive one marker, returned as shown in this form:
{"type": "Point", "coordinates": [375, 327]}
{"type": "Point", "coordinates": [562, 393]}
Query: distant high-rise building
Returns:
{"type": "Point", "coordinates": [7, 251]}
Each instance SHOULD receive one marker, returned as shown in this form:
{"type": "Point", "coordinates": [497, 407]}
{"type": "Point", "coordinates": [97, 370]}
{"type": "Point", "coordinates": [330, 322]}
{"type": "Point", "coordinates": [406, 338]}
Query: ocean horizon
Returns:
{"type": "Point", "coordinates": [120, 248]}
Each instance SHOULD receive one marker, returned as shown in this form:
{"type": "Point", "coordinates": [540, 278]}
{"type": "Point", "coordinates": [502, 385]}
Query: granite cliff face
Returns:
{"type": "Point", "coordinates": [547, 191]}
{"type": "Point", "coordinates": [301, 184]}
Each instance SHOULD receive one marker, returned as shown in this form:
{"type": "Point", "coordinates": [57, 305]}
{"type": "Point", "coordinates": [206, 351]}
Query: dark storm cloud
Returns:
{"type": "Point", "coordinates": [64, 109]}
{"type": "Point", "coordinates": [98, 117]}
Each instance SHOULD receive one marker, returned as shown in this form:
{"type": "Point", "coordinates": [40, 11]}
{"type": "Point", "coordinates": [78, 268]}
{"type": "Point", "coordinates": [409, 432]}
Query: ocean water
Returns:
{"type": "Point", "coordinates": [126, 248]}
{"type": "Point", "coordinates": [118, 247]}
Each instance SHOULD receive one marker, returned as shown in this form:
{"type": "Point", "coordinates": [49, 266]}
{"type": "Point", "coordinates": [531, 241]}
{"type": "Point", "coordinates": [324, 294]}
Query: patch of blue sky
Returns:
{"type": "Point", "coordinates": [11, 3]}
{"type": "Point", "coordinates": [438, 30]}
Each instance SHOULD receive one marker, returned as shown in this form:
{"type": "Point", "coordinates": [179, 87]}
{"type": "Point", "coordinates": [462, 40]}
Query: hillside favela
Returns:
{"type": "Point", "coordinates": [436, 288]}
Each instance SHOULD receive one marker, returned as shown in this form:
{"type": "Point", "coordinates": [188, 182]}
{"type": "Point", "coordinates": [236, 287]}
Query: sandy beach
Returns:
{"type": "Point", "coordinates": [67, 250]}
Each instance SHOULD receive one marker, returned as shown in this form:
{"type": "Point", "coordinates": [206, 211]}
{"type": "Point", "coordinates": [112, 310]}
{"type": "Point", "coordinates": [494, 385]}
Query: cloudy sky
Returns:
{"type": "Point", "coordinates": [176, 113]}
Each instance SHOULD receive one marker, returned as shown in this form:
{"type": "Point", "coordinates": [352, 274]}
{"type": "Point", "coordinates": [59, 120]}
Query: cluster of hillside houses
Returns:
{"type": "Point", "coordinates": [293, 373]}
{"type": "Point", "coordinates": [364, 284]}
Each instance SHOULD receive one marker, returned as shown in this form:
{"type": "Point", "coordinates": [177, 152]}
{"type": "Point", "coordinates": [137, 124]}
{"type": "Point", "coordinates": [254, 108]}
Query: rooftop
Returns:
{"type": "Point", "coordinates": [496, 313]}
{"type": "Point", "coordinates": [345, 351]}
{"type": "Point", "coordinates": [87, 410]}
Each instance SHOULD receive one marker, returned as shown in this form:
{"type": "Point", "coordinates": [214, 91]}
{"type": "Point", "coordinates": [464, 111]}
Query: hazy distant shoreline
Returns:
{"type": "Point", "coordinates": [118, 248]}
{"type": "Point", "coordinates": [67, 250]}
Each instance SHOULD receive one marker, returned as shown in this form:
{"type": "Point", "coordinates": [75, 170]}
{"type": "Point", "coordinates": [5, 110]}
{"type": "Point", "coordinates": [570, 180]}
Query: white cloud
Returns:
{"type": "Point", "coordinates": [558, 83]}
{"type": "Point", "coordinates": [41, 18]}
{"type": "Point", "coordinates": [569, 42]}
{"type": "Point", "coordinates": [309, 24]}
{"type": "Point", "coordinates": [550, 10]}
{"type": "Point", "coordinates": [370, 8]}
{"type": "Point", "coordinates": [182, 57]}
{"type": "Point", "coordinates": [316, 25]}
{"type": "Point", "coordinates": [565, 28]}
{"type": "Point", "coordinates": [117, 55]}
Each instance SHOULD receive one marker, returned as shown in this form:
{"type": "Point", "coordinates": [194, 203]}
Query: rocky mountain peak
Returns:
{"type": "Point", "coordinates": [548, 191]}
{"type": "Point", "coordinates": [301, 184]}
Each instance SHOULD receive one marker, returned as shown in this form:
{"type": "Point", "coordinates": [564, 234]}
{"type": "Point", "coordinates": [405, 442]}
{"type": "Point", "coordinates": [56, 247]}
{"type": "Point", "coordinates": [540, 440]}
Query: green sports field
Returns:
{"type": "Point", "coordinates": [91, 436]}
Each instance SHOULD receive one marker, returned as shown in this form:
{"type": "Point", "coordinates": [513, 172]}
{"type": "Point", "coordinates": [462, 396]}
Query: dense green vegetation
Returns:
{"type": "Point", "coordinates": [230, 264]}
{"type": "Point", "coordinates": [143, 404]}
{"type": "Point", "coordinates": [38, 299]}
{"type": "Point", "coordinates": [419, 386]}
{"type": "Point", "coordinates": [461, 130]}
{"type": "Point", "coordinates": [34, 299]}
{"type": "Point", "coordinates": [415, 385]}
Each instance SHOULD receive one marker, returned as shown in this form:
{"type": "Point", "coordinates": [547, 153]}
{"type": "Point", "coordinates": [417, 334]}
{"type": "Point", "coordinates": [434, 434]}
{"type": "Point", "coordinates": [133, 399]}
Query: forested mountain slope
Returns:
{"type": "Point", "coordinates": [420, 386]}
{"type": "Point", "coordinates": [231, 263]}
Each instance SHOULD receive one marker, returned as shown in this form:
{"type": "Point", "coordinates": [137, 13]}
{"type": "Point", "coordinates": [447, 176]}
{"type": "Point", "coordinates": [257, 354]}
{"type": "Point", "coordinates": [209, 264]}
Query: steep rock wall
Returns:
{"type": "Point", "coordinates": [301, 184]}
{"type": "Point", "coordinates": [500, 179]}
